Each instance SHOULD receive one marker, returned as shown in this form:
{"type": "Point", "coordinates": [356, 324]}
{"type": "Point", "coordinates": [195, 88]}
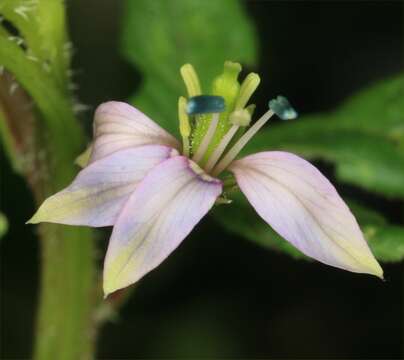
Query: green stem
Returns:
{"type": "Point", "coordinates": [45, 146]}
{"type": "Point", "coordinates": [64, 328]}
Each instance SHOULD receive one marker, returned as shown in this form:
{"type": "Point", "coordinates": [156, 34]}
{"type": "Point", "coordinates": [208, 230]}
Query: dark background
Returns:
{"type": "Point", "coordinates": [219, 295]}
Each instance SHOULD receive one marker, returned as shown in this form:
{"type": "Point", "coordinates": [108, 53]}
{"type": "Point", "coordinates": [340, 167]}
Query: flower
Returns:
{"type": "Point", "coordinates": [153, 191]}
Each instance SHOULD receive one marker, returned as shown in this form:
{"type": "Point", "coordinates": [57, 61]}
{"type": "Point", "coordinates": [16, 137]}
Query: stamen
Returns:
{"type": "Point", "coordinates": [240, 117]}
{"type": "Point", "coordinates": [251, 108]}
{"type": "Point", "coordinates": [238, 146]}
{"type": "Point", "coordinates": [220, 148]}
{"type": "Point", "coordinates": [247, 88]}
{"type": "Point", "coordinates": [207, 138]}
{"type": "Point", "coordinates": [205, 104]}
{"type": "Point", "coordinates": [185, 127]}
{"type": "Point", "coordinates": [191, 80]}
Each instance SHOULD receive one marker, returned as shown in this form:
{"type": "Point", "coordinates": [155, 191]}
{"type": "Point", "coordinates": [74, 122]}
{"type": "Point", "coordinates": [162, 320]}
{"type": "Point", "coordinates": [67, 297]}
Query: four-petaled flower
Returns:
{"type": "Point", "coordinates": [153, 191]}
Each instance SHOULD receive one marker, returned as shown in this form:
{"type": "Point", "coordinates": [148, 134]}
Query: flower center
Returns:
{"type": "Point", "coordinates": [213, 127]}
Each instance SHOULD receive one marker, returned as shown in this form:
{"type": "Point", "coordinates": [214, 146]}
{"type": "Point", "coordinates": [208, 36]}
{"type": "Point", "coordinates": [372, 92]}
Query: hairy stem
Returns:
{"type": "Point", "coordinates": [41, 133]}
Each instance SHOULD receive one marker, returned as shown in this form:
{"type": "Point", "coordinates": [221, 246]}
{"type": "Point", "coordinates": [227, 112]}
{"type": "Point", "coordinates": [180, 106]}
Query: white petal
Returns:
{"type": "Point", "coordinates": [301, 205]}
{"type": "Point", "coordinates": [101, 189]}
{"type": "Point", "coordinates": [162, 211]}
{"type": "Point", "coordinates": [118, 126]}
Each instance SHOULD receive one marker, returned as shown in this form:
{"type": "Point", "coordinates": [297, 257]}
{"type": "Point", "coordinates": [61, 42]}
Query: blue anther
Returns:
{"type": "Point", "coordinates": [205, 104]}
{"type": "Point", "coordinates": [281, 107]}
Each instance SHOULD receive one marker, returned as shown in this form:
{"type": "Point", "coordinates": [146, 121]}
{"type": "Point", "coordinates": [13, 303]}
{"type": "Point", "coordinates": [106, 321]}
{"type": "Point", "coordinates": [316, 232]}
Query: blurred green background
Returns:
{"type": "Point", "coordinates": [218, 295]}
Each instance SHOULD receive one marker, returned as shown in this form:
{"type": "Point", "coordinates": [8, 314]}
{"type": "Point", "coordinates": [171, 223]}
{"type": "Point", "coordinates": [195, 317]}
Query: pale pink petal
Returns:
{"type": "Point", "coordinates": [118, 126]}
{"type": "Point", "coordinates": [100, 190]}
{"type": "Point", "coordinates": [162, 211]}
{"type": "Point", "coordinates": [301, 205]}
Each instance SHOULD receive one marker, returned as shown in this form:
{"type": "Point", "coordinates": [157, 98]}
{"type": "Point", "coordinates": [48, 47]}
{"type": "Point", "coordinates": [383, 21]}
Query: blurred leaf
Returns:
{"type": "Point", "coordinates": [159, 36]}
{"type": "Point", "coordinates": [377, 110]}
{"type": "Point", "coordinates": [3, 225]}
{"type": "Point", "coordinates": [369, 161]}
{"type": "Point", "coordinates": [385, 240]}
{"type": "Point", "coordinates": [240, 218]}
{"type": "Point", "coordinates": [364, 138]}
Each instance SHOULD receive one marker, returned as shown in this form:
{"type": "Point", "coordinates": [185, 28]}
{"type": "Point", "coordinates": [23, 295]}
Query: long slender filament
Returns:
{"type": "Point", "coordinates": [221, 148]}
{"type": "Point", "coordinates": [185, 146]}
{"type": "Point", "coordinates": [238, 146]}
{"type": "Point", "coordinates": [207, 138]}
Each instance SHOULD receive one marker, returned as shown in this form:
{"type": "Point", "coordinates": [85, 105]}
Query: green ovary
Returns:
{"type": "Point", "coordinates": [227, 86]}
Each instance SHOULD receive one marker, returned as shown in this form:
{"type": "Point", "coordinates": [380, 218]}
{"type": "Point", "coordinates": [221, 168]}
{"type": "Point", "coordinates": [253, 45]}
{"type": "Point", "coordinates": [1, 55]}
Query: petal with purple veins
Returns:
{"type": "Point", "coordinates": [162, 211]}
{"type": "Point", "coordinates": [118, 126]}
{"type": "Point", "coordinates": [301, 205]}
{"type": "Point", "coordinates": [100, 190]}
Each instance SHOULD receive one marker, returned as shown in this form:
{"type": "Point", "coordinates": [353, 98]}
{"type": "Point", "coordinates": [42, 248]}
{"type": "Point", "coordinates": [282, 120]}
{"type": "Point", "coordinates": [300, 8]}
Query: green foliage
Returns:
{"type": "Point", "coordinates": [378, 110]}
{"type": "Point", "coordinates": [160, 36]}
{"type": "Point", "coordinates": [364, 138]}
{"type": "Point", "coordinates": [3, 225]}
{"type": "Point", "coordinates": [385, 240]}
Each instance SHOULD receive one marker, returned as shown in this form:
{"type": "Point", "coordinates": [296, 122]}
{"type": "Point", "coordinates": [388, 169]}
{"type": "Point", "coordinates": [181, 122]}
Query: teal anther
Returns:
{"type": "Point", "coordinates": [281, 107]}
{"type": "Point", "coordinates": [205, 104]}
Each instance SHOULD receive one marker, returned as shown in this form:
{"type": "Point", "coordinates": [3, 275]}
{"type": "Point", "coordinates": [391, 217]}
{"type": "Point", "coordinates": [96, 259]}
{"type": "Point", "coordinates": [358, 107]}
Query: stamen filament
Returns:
{"type": "Point", "coordinates": [207, 138]}
{"type": "Point", "coordinates": [185, 146]}
{"type": "Point", "coordinates": [238, 146]}
{"type": "Point", "coordinates": [221, 148]}
{"type": "Point", "coordinates": [185, 127]}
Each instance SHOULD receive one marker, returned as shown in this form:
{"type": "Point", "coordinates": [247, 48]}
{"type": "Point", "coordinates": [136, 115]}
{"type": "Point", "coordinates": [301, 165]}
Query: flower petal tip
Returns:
{"type": "Point", "coordinates": [36, 218]}
{"type": "Point", "coordinates": [366, 263]}
{"type": "Point", "coordinates": [113, 282]}
{"type": "Point", "coordinates": [31, 221]}
{"type": "Point", "coordinates": [108, 289]}
{"type": "Point", "coordinates": [375, 269]}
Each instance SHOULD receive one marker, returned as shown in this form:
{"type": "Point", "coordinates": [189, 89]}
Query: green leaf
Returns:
{"type": "Point", "coordinates": [3, 225]}
{"type": "Point", "coordinates": [160, 36]}
{"type": "Point", "coordinates": [364, 138]}
{"type": "Point", "coordinates": [377, 110]}
{"type": "Point", "coordinates": [240, 218]}
{"type": "Point", "coordinates": [385, 240]}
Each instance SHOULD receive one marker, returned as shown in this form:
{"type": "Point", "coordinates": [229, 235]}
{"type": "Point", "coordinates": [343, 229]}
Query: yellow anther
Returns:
{"type": "Point", "coordinates": [185, 127]}
{"type": "Point", "coordinates": [191, 80]}
{"type": "Point", "coordinates": [251, 108]}
{"type": "Point", "coordinates": [240, 117]}
{"type": "Point", "coordinates": [247, 88]}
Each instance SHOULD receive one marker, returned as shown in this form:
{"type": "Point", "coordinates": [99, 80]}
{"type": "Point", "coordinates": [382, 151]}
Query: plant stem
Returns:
{"type": "Point", "coordinates": [64, 324]}
{"type": "Point", "coordinates": [44, 145]}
